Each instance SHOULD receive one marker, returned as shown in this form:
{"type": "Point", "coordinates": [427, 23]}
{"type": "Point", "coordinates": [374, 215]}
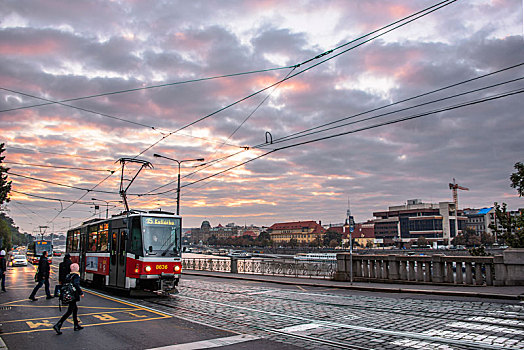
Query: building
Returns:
{"type": "Point", "coordinates": [364, 234]}
{"type": "Point", "coordinates": [480, 219]}
{"type": "Point", "coordinates": [406, 223]}
{"type": "Point", "coordinates": [303, 232]}
{"type": "Point", "coordinates": [202, 234]}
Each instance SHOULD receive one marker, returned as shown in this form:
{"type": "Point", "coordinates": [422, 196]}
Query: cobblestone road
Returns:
{"type": "Point", "coordinates": [333, 320]}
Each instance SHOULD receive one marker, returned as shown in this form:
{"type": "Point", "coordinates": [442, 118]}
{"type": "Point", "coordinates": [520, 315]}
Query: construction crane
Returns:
{"type": "Point", "coordinates": [454, 187]}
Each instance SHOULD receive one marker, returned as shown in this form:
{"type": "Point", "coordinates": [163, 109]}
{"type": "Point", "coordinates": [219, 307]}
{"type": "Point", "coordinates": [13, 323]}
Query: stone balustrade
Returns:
{"type": "Point", "coordinates": [505, 269]}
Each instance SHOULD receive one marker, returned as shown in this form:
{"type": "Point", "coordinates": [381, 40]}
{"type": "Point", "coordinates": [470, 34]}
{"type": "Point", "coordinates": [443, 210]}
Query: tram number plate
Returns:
{"type": "Point", "coordinates": [161, 267]}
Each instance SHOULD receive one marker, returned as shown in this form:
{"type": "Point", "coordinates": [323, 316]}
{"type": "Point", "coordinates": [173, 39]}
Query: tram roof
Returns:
{"type": "Point", "coordinates": [131, 213]}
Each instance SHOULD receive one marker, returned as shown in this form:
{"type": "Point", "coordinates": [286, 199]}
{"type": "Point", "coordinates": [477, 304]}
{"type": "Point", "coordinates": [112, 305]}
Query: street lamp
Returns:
{"type": "Point", "coordinates": [178, 185]}
{"type": "Point", "coordinates": [107, 205]}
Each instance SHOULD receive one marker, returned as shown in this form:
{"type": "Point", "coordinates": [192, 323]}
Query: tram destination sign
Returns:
{"type": "Point", "coordinates": [160, 221]}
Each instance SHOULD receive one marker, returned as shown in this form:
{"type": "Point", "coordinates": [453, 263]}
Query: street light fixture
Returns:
{"type": "Point", "coordinates": [107, 205]}
{"type": "Point", "coordinates": [178, 185]}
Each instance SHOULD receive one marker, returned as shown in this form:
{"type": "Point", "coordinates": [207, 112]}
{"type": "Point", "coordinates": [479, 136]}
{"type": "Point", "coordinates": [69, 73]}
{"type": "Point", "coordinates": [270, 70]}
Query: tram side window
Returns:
{"type": "Point", "coordinates": [102, 237]}
{"type": "Point", "coordinates": [136, 236]}
{"type": "Point", "coordinates": [76, 241]}
{"type": "Point", "coordinates": [92, 239]}
{"type": "Point", "coordinates": [69, 241]}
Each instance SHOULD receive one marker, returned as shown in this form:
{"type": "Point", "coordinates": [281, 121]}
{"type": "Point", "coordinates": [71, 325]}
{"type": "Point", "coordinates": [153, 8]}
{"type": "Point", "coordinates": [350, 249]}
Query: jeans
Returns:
{"type": "Point", "coordinates": [42, 281]}
{"type": "Point", "coordinates": [2, 278]}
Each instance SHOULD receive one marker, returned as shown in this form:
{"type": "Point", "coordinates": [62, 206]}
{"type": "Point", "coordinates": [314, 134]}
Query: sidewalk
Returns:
{"type": "Point", "coordinates": [488, 292]}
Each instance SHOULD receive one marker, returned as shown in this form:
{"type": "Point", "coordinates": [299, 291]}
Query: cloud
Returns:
{"type": "Point", "coordinates": [61, 51]}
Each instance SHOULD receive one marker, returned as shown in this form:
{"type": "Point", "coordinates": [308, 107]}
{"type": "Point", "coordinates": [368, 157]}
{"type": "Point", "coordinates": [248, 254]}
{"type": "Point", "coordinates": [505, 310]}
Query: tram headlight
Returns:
{"type": "Point", "coordinates": [147, 268]}
{"type": "Point", "coordinates": [177, 268]}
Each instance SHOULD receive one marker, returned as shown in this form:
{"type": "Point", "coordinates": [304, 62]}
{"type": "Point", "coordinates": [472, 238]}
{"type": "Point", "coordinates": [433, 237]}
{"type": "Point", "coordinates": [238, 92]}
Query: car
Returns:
{"type": "Point", "coordinates": [57, 253]}
{"type": "Point", "coordinates": [19, 260]}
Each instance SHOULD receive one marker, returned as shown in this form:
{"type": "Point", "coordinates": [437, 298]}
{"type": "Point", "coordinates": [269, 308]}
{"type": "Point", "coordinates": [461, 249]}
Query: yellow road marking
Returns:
{"type": "Point", "coordinates": [125, 303]}
{"type": "Point", "coordinates": [127, 310]}
{"type": "Point", "coordinates": [302, 289]}
{"type": "Point", "coordinates": [88, 325]}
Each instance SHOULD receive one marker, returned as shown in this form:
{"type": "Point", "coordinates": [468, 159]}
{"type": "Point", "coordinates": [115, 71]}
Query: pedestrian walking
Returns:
{"type": "Point", "coordinates": [3, 269]}
{"type": "Point", "coordinates": [64, 268]}
{"type": "Point", "coordinates": [42, 277]}
{"type": "Point", "coordinates": [72, 308]}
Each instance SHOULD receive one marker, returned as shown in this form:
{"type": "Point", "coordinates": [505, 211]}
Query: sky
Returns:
{"type": "Point", "coordinates": [297, 107]}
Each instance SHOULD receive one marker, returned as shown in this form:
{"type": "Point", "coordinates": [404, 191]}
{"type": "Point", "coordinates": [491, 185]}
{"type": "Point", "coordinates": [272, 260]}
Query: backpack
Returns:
{"type": "Point", "coordinates": [68, 291]}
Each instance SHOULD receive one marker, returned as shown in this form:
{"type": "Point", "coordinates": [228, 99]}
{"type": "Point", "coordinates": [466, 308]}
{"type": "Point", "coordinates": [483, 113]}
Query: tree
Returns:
{"type": "Point", "coordinates": [517, 178]}
{"type": "Point", "coordinates": [468, 238]}
{"type": "Point", "coordinates": [422, 241]}
{"type": "Point", "coordinates": [5, 186]}
{"type": "Point", "coordinates": [5, 235]}
{"type": "Point", "coordinates": [512, 226]}
{"type": "Point", "coordinates": [330, 236]}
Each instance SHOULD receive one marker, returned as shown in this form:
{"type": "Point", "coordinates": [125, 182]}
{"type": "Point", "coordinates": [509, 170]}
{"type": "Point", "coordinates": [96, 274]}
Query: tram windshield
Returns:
{"type": "Point", "coordinates": [41, 246]}
{"type": "Point", "coordinates": [161, 236]}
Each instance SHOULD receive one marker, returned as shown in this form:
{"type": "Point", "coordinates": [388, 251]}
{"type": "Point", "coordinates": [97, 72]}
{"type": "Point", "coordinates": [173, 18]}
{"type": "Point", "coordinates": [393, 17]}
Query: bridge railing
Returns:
{"type": "Point", "coordinates": [423, 269]}
{"type": "Point", "coordinates": [285, 268]}
{"type": "Point", "coordinates": [506, 269]}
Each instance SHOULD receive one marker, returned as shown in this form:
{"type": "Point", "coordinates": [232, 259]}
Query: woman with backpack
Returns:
{"type": "Point", "coordinates": [72, 308]}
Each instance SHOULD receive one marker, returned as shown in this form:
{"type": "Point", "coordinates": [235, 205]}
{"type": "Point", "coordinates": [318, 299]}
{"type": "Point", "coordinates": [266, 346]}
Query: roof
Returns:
{"type": "Point", "coordinates": [298, 225]}
{"type": "Point", "coordinates": [484, 211]}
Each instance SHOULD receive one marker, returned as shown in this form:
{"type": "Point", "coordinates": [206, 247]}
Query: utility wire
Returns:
{"type": "Point", "coordinates": [418, 15]}
{"type": "Point", "coordinates": [395, 103]}
{"type": "Point", "coordinates": [422, 14]}
{"type": "Point", "coordinates": [292, 136]}
{"type": "Point", "coordinates": [50, 102]}
{"type": "Point", "coordinates": [287, 138]}
{"type": "Point", "coordinates": [59, 184]}
{"type": "Point", "coordinates": [58, 167]}
{"type": "Point", "coordinates": [51, 199]}
{"type": "Point", "coordinates": [461, 105]}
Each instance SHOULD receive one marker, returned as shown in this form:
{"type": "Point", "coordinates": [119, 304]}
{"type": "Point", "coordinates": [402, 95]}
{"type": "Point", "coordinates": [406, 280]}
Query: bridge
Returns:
{"type": "Point", "coordinates": [281, 309]}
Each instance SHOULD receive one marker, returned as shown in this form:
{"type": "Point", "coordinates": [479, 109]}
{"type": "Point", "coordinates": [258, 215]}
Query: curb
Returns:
{"type": "Point", "coordinates": [370, 289]}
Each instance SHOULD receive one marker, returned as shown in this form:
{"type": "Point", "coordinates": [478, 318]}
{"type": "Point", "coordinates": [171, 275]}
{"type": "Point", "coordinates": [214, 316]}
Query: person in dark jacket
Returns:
{"type": "Point", "coordinates": [72, 308]}
{"type": "Point", "coordinates": [3, 269]}
{"type": "Point", "coordinates": [42, 277]}
{"type": "Point", "coordinates": [64, 268]}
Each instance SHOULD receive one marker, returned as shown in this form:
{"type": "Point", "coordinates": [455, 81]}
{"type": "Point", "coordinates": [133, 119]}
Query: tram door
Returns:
{"type": "Point", "coordinates": [117, 263]}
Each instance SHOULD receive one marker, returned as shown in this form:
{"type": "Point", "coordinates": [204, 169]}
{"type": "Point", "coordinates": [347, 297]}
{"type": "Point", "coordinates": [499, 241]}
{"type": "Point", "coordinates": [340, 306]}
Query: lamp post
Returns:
{"type": "Point", "coordinates": [178, 184]}
{"type": "Point", "coordinates": [107, 205]}
{"type": "Point", "coordinates": [67, 217]}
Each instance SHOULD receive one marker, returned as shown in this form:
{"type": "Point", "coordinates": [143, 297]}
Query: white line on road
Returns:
{"type": "Point", "coordinates": [211, 343]}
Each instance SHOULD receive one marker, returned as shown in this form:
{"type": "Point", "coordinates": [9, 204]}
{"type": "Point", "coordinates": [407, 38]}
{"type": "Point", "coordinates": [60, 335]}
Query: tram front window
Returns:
{"type": "Point", "coordinates": [161, 236]}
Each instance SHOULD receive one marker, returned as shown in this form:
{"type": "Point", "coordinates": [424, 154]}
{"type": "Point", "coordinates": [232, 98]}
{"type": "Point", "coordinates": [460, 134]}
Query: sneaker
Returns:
{"type": "Point", "coordinates": [33, 298]}
{"type": "Point", "coordinates": [49, 297]}
{"type": "Point", "coordinates": [78, 327]}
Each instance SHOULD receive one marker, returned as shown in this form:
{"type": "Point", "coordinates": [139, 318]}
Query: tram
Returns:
{"type": "Point", "coordinates": [133, 251]}
{"type": "Point", "coordinates": [37, 248]}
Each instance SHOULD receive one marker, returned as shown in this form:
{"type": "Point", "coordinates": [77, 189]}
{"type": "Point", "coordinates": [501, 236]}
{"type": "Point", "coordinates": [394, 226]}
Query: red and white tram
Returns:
{"type": "Point", "coordinates": [132, 251]}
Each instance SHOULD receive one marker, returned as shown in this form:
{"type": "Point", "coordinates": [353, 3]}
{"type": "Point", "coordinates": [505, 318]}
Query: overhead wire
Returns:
{"type": "Point", "coordinates": [396, 103]}
{"type": "Point", "coordinates": [58, 167]}
{"type": "Point", "coordinates": [422, 14]}
{"type": "Point", "coordinates": [398, 120]}
{"type": "Point", "coordinates": [287, 138]}
{"type": "Point", "coordinates": [415, 16]}
{"type": "Point", "coordinates": [293, 136]}
{"type": "Point", "coordinates": [50, 102]}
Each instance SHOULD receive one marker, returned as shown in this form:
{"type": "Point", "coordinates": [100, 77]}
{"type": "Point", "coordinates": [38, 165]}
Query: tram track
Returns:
{"type": "Point", "coordinates": [457, 344]}
{"type": "Point", "coordinates": [452, 314]}
{"type": "Point", "coordinates": [275, 325]}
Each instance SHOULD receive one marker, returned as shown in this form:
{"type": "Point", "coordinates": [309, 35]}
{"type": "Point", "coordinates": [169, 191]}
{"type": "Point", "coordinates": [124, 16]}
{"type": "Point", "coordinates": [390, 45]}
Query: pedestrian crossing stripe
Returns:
{"type": "Point", "coordinates": [211, 343]}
